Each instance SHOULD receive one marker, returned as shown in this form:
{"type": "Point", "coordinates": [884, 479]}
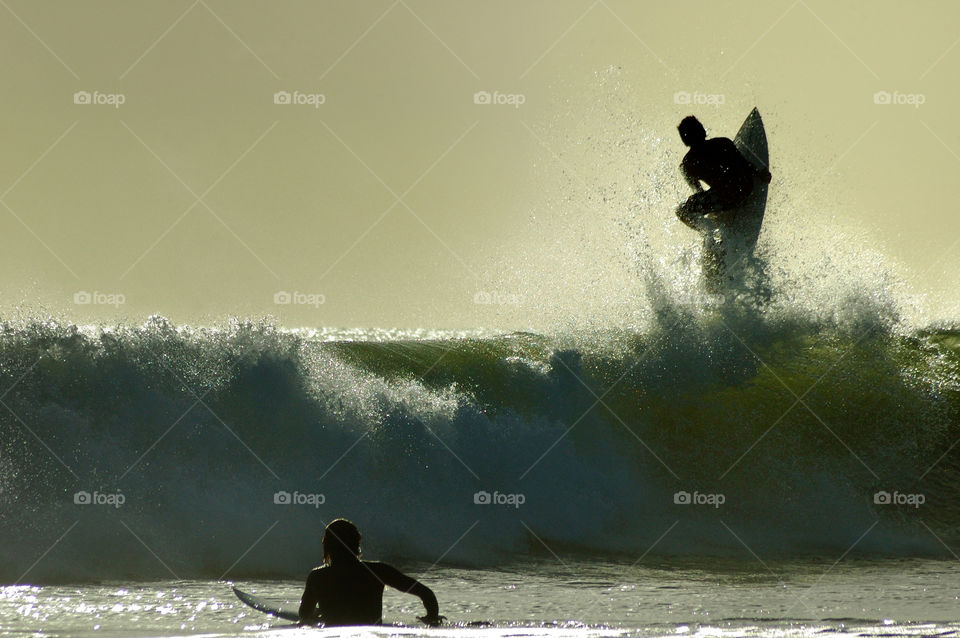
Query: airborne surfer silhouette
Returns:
{"type": "Point", "coordinates": [730, 177]}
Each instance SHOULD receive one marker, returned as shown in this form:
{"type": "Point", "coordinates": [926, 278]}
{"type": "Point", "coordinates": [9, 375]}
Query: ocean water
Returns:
{"type": "Point", "coordinates": [761, 462]}
{"type": "Point", "coordinates": [555, 597]}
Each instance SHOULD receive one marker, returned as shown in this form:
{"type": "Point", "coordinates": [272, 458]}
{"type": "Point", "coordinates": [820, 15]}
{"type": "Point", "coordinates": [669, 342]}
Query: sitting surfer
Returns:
{"type": "Point", "coordinates": [730, 176]}
{"type": "Point", "coordinates": [346, 590]}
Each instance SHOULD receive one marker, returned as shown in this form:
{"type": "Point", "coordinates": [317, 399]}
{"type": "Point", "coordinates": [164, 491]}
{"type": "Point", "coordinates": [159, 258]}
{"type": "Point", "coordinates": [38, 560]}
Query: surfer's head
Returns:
{"type": "Point", "coordinates": [341, 539]}
{"type": "Point", "coordinates": [691, 131]}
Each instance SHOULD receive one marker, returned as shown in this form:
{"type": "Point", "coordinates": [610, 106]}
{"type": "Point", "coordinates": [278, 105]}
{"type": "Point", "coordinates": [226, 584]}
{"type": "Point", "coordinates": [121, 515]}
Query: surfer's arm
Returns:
{"type": "Point", "coordinates": [693, 181]}
{"type": "Point", "coordinates": [762, 173]}
{"type": "Point", "coordinates": [688, 175]}
{"type": "Point", "coordinates": [393, 577]}
{"type": "Point", "coordinates": [308, 603]}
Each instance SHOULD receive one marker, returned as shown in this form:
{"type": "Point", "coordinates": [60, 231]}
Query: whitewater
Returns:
{"type": "Point", "coordinates": [195, 442]}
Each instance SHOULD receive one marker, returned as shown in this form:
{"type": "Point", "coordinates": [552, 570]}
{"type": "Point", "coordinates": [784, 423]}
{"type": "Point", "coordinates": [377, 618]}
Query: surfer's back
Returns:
{"type": "Point", "coordinates": [348, 592]}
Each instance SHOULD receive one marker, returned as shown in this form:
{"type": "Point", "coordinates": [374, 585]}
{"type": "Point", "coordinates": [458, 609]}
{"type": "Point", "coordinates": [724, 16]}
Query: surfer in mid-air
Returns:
{"type": "Point", "coordinates": [717, 163]}
{"type": "Point", "coordinates": [349, 591]}
{"type": "Point", "coordinates": [731, 177]}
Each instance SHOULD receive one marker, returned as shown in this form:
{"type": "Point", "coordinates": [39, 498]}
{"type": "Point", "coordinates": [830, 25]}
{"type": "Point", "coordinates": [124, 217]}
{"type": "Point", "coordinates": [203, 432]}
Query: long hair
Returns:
{"type": "Point", "coordinates": [341, 539]}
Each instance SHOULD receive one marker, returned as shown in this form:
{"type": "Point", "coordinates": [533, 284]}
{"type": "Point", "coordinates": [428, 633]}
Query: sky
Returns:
{"type": "Point", "coordinates": [451, 164]}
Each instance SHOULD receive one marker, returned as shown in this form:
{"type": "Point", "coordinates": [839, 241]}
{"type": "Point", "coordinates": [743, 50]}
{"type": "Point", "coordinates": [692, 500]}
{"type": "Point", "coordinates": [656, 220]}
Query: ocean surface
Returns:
{"type": "Point", "coordinates": [552, 597]}
{"type": "Point", "coordinates": [753, 463]}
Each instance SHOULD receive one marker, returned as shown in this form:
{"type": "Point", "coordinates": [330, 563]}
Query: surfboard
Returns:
{"type": "Point", "coordinates": [265, 607]}
{"type": "Point", "coordinates": [751, 141]}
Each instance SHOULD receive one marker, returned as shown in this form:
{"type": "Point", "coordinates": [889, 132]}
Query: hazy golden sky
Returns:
{"type": "Point", "coordinates": [394, 198]}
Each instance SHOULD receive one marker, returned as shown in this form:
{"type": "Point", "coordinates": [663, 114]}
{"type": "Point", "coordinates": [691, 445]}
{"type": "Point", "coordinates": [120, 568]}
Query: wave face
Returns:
{"type": "Point", "coordinates": [185, 439]}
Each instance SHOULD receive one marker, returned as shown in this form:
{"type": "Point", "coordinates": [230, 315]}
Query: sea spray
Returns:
{"type": "Point", "coordinates": [796, 423]}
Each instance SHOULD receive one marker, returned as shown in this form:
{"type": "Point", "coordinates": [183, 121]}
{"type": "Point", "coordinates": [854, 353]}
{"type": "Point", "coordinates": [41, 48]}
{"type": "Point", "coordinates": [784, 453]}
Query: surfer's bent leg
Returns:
{"type": "Point", "coordinates": [691, 212]}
